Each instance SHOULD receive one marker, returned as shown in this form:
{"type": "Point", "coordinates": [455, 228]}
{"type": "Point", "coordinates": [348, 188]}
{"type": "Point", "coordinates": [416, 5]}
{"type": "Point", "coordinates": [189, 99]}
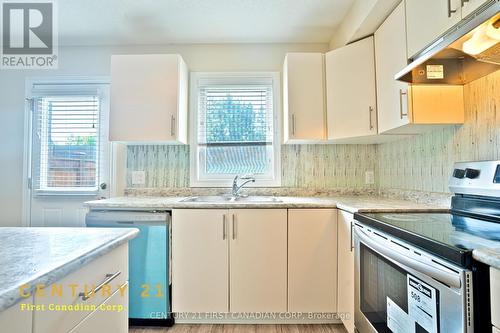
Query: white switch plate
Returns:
{"type": "Point", "coordinates": [369, 177]}
{"type": "Point", "coordinates": [138, 177]}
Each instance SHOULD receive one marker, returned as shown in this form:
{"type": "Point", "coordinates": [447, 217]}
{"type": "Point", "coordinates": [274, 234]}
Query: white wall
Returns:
{"type": "Point", "coordinates": [94, 61]}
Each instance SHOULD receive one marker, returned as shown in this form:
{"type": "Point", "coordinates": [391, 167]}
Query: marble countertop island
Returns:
{"type": "Point", "coordinates": [32, 256]}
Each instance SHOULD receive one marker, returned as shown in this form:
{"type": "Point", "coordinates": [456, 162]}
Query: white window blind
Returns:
{"type": "Point", "coordinates": [235, 128]}
{"type": "Point", "coordinates": [66, 144]}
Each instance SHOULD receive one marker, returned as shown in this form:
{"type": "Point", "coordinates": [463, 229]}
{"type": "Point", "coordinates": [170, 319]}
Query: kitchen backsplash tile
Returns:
{"type": "Point", "coordinates": [303, 166]}
{"type": "Point", "coordinates": [424, 163]}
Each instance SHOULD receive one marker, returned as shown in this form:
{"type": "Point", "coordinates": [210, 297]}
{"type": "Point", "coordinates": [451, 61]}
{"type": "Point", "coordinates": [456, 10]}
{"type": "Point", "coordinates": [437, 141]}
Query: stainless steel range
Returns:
{"type": "Point", "coordinates": [415, 272]}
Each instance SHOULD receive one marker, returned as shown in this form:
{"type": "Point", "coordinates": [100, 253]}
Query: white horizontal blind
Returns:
{"type": "Point", "coordinates": [235, 128]}
{"type": "Point", "coordinates": [66, 142]}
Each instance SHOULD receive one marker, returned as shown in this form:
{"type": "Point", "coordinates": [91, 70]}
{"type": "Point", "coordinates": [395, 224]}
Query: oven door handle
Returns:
{"type": "Point", "coordinates": [446, 277]}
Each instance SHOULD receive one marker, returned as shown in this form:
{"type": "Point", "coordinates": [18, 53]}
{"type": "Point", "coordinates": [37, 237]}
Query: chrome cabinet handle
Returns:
{"type": "Point", "coordinates": [450, 11]}
{"type": "Point", "coordinates": [401, 94]}
{"type": "Point", "coordinates": [172, 125]}
{"type": "Point", "coordinates": [234, 227]}
{"type": "Point", "coordinates": [352, 236]}
{"type": "Point", "coordinates": [370, 110]}
{"type": "Point", "coordinates": [464, 2]}
{"type": "Point", "coordinates": [224, 227]}
{"type": "Point", "coordinates": [293, 124]}
{"type": "Point", "coordinates": [109, 278]}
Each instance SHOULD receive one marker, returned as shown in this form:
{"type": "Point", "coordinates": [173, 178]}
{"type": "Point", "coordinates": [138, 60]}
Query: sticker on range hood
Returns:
{"type": "Point", "coordinates": [435, 72]}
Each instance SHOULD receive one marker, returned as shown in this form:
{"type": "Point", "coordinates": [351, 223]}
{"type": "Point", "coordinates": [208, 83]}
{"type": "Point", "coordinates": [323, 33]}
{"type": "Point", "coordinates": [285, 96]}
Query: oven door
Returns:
{"type": "Point", "coordinates": [399, 289]}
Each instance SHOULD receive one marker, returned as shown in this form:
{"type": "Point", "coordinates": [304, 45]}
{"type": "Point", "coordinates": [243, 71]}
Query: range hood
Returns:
{"type": "Point", "coordinates": [467, 52]}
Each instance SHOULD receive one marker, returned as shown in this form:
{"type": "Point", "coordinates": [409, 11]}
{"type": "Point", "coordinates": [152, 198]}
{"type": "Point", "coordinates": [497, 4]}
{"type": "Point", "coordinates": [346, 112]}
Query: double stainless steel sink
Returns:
{"type": "Point", "coordinates": [232, 199]}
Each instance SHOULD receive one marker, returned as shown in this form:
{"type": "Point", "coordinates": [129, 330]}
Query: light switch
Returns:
{"type": "Point", "coordinates": [138, 177]}
{"type": "Point", "coordinates": [369, 177]}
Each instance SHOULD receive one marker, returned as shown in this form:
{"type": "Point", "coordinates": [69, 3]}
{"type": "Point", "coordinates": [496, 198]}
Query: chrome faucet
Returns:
{"type": "Point", "coordinates": [236, 188]}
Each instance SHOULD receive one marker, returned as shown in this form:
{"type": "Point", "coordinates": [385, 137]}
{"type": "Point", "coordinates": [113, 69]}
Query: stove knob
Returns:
{"type": "Point", "coordinates": [459, 173]}
{"type": "Point", "coordinates": [472, 173]}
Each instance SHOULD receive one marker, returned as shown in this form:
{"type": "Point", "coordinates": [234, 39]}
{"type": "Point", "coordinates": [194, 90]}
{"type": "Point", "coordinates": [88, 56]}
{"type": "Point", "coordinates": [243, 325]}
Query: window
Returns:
{"type": "Point", "coordinates": [234, 128]}
{"type": "Point", "coordinates": [66, 139]}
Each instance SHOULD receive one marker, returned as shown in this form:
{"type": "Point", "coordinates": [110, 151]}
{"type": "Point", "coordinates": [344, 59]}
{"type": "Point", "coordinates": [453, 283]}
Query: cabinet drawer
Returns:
{"type": "Point", "coordinates": [61, 299]}
{"type": "Point", "coordinates": [112, 316]}
{"type": "Point", "coordinates": [495, 300]}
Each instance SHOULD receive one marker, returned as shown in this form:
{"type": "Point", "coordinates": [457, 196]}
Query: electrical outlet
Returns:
{"type": "Point", "coordinates": [138, 177]}
{"type": "Point", "coordinates": [369, 177]}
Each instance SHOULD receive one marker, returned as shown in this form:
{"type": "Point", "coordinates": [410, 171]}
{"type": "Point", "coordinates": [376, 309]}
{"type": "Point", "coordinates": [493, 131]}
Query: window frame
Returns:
{"type": "Point", "coordinates": [67, 87]}
{"type": "Point", "coordinates": [235, 78]}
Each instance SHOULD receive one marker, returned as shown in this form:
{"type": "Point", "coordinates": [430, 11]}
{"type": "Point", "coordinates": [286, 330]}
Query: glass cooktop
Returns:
{"type": "Point", "coordinates": [448, 235]}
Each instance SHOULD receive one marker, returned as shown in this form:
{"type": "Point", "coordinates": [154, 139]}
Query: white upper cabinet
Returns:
{"type": "Point", "coordinates": [403, 108]}
{"type": "Point", "coordinates": [149, 98]}
{"type": "Point", "coordinates": [428, 19]}
{"type": "Point", "coordinates": [350, 91]}
{"type": "Point", "coordinates": [303, 97]}
{"type": "Point", "coordinates": [390, 57]}
{"type": "Point", "coordinates": [468, 6]}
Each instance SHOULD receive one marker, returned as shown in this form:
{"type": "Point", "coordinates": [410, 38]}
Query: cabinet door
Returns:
{"type": "Point", "coordinates": [427, 20]}
{"type": "Point", "coordinates": [468, 6]}
{"type": "Point", "coordinates": [199, 260]}
{"type": "Point", "coordinates": [390, 58]}
{"type": "Point", "coordinates": [148, 98]}
{"type": "Point", "coordinates": [346, 270]}
{"type": "Point", "coordinates": [303, 94]}
{"type": "Point", "coordinates": [16, 319]}
{"type": "Point", "coordinates": [111, 269]}
{"type": "Point", "coordinates": [258, 250]}
{"type": "Point", "coordinates": [111, 316]}
{"type": "Point", "coordinates": [350, 90]}
{"type": "Point", "coordinates": [312, 260]}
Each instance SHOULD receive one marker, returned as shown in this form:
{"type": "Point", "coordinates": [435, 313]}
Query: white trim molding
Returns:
{"type": "Point", "coordinates": [234, 78]}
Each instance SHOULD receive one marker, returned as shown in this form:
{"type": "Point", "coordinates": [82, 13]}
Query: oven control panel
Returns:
{"type": "Point", "coordinates": [478, 178]}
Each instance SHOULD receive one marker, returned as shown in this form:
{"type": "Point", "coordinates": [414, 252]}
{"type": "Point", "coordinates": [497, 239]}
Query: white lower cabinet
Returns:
{"type": "Point", "coordinates": [346, 270]}
{"type": "Point", "coordinates": [200, 260]}
{"type": "Point", "coordinates": [217, 253]}
{"type": "Point", "coordinates": [312, 260]}
{"type": "Point", "coordinates": [110, 316]}
{"type": "Point", "coordinates": [15, 319]}
{"type": "Point", "coordinates": [258, 252]}
{"type": "Point", "coordinates": [110, 271]}
{"type": "Point", "coordinates": [63, 306]}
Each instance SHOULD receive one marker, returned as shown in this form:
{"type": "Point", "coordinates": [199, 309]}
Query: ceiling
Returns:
{"type": "Point", "coordinates": [130, 22]}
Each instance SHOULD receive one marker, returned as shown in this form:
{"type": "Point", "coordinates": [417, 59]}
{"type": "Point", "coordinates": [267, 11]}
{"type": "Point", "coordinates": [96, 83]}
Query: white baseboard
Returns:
{"type": "Point", "coordinates": [257, 318]}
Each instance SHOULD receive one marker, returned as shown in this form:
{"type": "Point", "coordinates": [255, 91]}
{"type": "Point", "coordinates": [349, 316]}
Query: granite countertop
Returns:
{"type": "Point", "coordinates": [45, 255]}
{"type": "Point", "coordinates": [490, 257]}
{"type": "Point", "coordinates": [348, 203]}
